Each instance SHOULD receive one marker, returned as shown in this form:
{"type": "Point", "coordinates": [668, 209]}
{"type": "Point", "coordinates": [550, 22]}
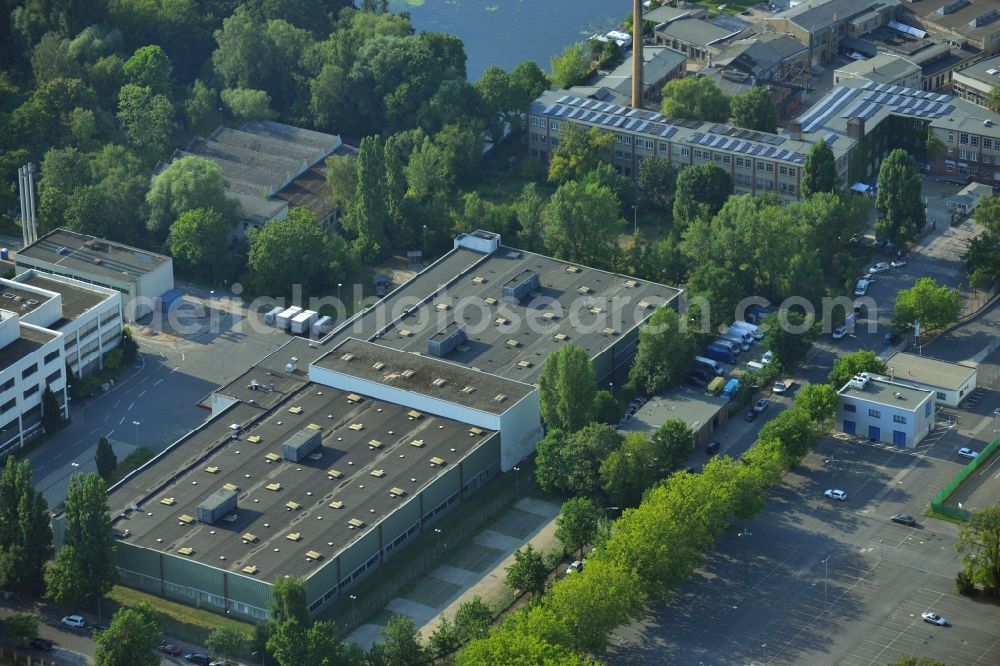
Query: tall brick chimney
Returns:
{"type": "Point", "coordinates": [637, 54]}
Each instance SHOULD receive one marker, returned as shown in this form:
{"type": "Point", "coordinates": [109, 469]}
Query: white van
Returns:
{"type": "Point", "coordinates": [752, 329]}
{"type": "Point", "coordinates": [754, 366]}
{"type": "Point", "coordinates": [735, 331]}
{"type": "Point", "coordinates": [714, 366]}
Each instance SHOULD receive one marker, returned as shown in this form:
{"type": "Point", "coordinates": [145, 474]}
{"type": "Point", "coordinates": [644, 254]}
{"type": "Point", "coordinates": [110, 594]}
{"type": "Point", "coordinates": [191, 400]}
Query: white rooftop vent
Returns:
{"type": "Point", "coordinates": [290, 366]}
{"type": "Point", "coordinates": [992, 71]}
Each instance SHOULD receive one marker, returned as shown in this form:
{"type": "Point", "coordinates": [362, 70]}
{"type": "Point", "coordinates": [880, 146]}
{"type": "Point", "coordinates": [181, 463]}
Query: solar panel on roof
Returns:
{"type": "Point", "coordinates": [643, 126]}
{"type": "Point", "coordinates": [868, 85]}
{"type": "Point", "coordinates": [632, 113]}
{"type": "Point", "coordinates": [620, 120]}
{"type": "Point", "coordinates": [671, 131]}
{"type": "Point", "coordinates": [562, 100]}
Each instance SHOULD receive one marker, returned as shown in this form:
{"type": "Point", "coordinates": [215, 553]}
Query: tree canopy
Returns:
{"type": "Point", "coordinates": [852, 364]}
{"type": "Point", "coordinates": [567, 389]}
{"type": "Point", "coordinates": [701, 191]}
{"type": "Point", "coordinates": [934, 306]}
{"type": "Point", "coordinates": [820, 171]}
{"type": "Point", "coordinates": [571, 65]}
{"type": "Point", "coordinates": [901, 211]}
{"type": "Point", "coordinates": [130, 639]}
{"type": "Point", "coordinates": [25, 535]}
{"type": "Point", "coordinates": [979, 546]}
{"type": "Point", "coordinates": [187, 184]}
{"type": "Point", "coordinates": [983, 255]}
{"type": "Point", "coordinates": [695, 98]}
{"type": "Point", "coordinates": [755, 110]}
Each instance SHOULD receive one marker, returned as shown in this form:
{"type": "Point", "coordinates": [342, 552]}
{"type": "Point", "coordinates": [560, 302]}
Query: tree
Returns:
{"type": "Point", "coordinates": [527, 573]}
{"type": "Point", "coordinates": [341, 178]}
{"type": "Point", "coordinates": [401, 643]}
{"type": "Point", "coordinates": [901, 212]}
{"type": "Point", "coordinates": [628, 471]}
{"type": "Point", "coordinates": [665, 353]}
{"type": "Point", "coordinates": [130, 639]}
{"type": "Point", "coordinates": [755, 110]}
{"type": "Point", "coordinates": [695, 98]}
{"type": "Point", "coordinates": [993, 99]}
{"type": "Point", "coordinates": [295, 250]}
{"type": "Point", "coordinates": [188, 183]}
{"type": "Point", "coordinates": [983, 256]}
{"type": "Point", "coordinates": [52, 414]}
{"type": "Point", "coordinates": [529, 81]}
{"type": "Point", "coordinates": [227, 642]}
{"type": "Point", "coordinates": [820, 402]}
{"type": "Point", "coordinates": [130, 348]}
{"type": "Point", "coordinates": [20, 628]}
{"type": "Point", "coordinates": [657, 182]}
{"type": "Point", "coordinates": [91, 546]}
{"type": "Point", "coordinates": [577, 523]}
{"type": "Point", "coordinates": [147, 117]}
{"type": "Point", "coordinates": [793, 428]}
{"type": "Point", "coordinates": [150, 67]}
{"type": "Point", "coordinates": [567, 389]}
{"type": "Point", "coordinates": [105, 459]}
{"type": "Point", "coordinates": [202, 107]}
{"type": "Point", "coordinates": [288, 600]}
{"type": "Point", "coordinates": [789, 343]}
{"type": "Point", "coordinates": [701, 190]}
{"type": "Point", "coordinates": [820, 171]}
{"type": "Point", "coordinates": [25, 534]}
{"type": "Point", "coordinates": [579, 152]}
{"type": "Point", "coordinates": [925, 302]}
{"type": "Point", "coordinates": [979, 546]}
{"type": "Point", "coordinates": [571, 66]}
{"type": "Point", "coordinates": [673, 443]}
{"type": "Point", "coordinates": [582, 224]}
{"type": "Point", "coordinates": [849, 365]}
{"type": "Point", "coordinates": [473, 619]}
{"type": "Point", "coordinates": [368, 215]}
{"type": "Point", "coordinates": [570, 464]}
{"type": "Point", "coordinates": [198, 241]}
{"type": "Point", "coordinates": [247, 103]}
{"type": "Point", "coordinates": [444, 639]}
{"type": "Point", "coordinates": [529, 209]}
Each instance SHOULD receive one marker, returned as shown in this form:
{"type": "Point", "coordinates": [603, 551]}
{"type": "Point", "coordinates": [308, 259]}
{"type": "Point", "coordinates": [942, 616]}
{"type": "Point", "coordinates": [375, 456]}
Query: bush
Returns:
{"type": "Point", "coordinates": [114, 359]}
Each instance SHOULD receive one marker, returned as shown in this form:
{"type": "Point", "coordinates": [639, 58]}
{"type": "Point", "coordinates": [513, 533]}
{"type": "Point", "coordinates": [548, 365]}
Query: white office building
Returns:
{"type": "Point", "coordinates": [880, 410]}
{"type": "Point", "coordinates": [951, 382]}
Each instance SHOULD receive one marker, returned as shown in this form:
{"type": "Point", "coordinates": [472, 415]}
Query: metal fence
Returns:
{"type": "Point", "coordinates": [938, 503]}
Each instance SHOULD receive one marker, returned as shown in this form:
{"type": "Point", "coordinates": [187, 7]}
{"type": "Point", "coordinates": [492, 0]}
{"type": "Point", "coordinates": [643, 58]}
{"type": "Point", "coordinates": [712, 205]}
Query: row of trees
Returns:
{"type": "Point", "coordinates": [652, 547]}
{"type": "Point", "coordinates": [698, 98]}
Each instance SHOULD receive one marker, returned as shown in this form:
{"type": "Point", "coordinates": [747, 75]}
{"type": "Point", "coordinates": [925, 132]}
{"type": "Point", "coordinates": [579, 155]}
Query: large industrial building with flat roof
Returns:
{"type": "Point", "coordinates": [324, 458]}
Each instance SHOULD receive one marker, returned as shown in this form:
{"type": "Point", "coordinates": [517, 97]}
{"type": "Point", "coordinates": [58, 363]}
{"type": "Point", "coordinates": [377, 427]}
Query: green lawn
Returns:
{"type": "Point", "coordinates": [184, 623]}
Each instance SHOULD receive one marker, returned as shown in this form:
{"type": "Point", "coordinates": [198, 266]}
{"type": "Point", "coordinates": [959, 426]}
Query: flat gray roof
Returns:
{"type": "Point", "coordinates": [87, 254]}
{"type": "Point", "coordinates": [690, 405]}
{"type": "Point", "coordinates": [980, 71]}
{"type": "Point", "coordinates": [381, 441]}
{"type": "Point", "coordinates": [425, 375]}
{"type": "Point", "coordinates": [929, 370]}
{"type": "Point", "coordinates": [888, 393]}
{"type": "Point", "coordinates": [883, 68]}
{"type": "Point", "coordinates": [697, 31]}
{"type": "Point", "coordinates": [29, 340]}
{"type": "Point", "coordinates": [574, 304]}
{"type": "Point", "coordinates": [76, 300]}
{"type": "Point", "coordinates": [817, 14]}
{"type": "Point", "coordinates": [21, 301]}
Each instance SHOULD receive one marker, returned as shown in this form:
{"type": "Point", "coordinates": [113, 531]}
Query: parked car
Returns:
{"type": "Point", "coordinates": [575, 567]}
{"type": "Point", "coordinates": [838, 495]}
{"type": "Point", "coordinates": [967, 453]}
{"type": "Point", "coordinates": [780, 387]}
{"type": "Point", "coordinates": [74, 621]}
{"type": "Point", "coordinates": [861, 288]}
{"type": "Point", "coordinates": [839, 332]}
{"type": "Point", "coordinates": [712, 448]}
{"type": "Point", "coordinates": [170, 649]}
{"type": "Point", "coordinates": [751, 415]}
{"type": "Point", "coordinates": [761, 405]}
{"type": "Point", "coordinates": [767, 357]}
{"type": "Point", "coordinates": [880, 267]}
{"type": "Point", "coordinates": [638, 401]}
{"type": "Point", "coordinates": [904, 519]}
{"type": "Point", "coordinates": [897, 263]}
{"type": "Point", "coordinates": [43, 644]}
{"type": "Point", "coordinates": [890, 338]}
{"type": "Point", "coordinates": [696, 380]}
{"type": "Point", "coordinates": [198, 658]}
{"type": "Point", "coordinates": [933, 618]}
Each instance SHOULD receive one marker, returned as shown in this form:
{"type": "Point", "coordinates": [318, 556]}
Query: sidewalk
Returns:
{"type": "Point", "coordinates": [475, 568]}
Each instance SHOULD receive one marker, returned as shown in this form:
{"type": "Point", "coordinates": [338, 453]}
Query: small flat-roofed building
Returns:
{"type": "Point", "coordinates": [883, 68]}
{"type": "Point", "coordinates": [660, 64]}
{"type": "Point", "coordinates": [881, 410]}
{"type": "Point", "coordinates": [139, 275]}
{"type": "Point", "coordinates": [968, 198]}
{"type": "Point", "coordinates": [699, 39]}
{"type": "Point", "coordinates": [701, 412]}
{"type": "Point", "coordinates": [975, 82]}
{"type": "Point", "coordinates": [951, 382]}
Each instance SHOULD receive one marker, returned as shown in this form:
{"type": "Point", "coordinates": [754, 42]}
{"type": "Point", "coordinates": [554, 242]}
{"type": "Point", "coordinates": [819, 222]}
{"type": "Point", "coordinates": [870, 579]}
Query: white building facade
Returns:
{"type": "Point", "coordinates": [880, 410]}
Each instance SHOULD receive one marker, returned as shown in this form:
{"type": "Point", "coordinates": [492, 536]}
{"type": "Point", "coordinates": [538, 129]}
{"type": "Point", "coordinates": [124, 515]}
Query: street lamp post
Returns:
{"type": "Point", "coordinates": [635, 220]}
{"type": "Point", "coordinates": [136, 424]}
{"type": "Point", "coordinates": [438, 532]}
{"type": "Point", "coordinates": [881, 549]}
{"type": "Point", "coordinates": [516, 488]}
{"type": "Point", "coordinates": [340, 302]}
{"type": "Point", "coordinates": [354, 617]}
{"type": "Point", "coordinates": [764, 645]}
{"type": "Point", "coordinates": [425, 239]}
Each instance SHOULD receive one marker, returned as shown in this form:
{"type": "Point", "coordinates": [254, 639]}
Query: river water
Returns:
{"type": "Point", "coordinates": [505, 32]}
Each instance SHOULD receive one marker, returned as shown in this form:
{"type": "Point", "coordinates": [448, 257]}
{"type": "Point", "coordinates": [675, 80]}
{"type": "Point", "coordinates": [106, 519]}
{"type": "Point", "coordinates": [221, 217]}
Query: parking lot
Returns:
{"type": "Point", "coordinates": [818, 581]}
